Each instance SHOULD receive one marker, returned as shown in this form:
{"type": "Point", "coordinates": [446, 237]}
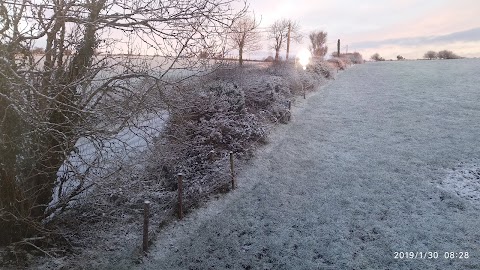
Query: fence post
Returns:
{"type": "Point", "coordinates": [211, 155]}
{"type": "Point", "coordinates": [146, 213]}
{"type": "Point", "coordinates": [289, 110]}
{"type": "Point", "coordinates": [180, 194]}
{"type": "Point", "coordinates": [232, 170]}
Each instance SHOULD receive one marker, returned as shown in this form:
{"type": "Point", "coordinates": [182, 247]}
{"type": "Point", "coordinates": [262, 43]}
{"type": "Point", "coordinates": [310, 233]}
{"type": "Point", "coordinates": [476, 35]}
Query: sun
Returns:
{"type": "Point", "coordinates": [304, 57]}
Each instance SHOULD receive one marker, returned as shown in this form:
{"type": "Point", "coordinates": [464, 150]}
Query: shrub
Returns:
{"type": "Point", "coordinates": [220, 116]}
{"type": "Point", "coordinates": [445, 54]}
{"type": "Point", "coordinates": [230, 110]}
{"type": "Point", "coordinates": [212, 117]}
{"type": "Point", "coordinates": [377, 57]}
{"type": "Point", "coordinates": [356, 58]}
{"type": "Point", "coordinates": [430, 55]}
{"type": "Point", "coordinates": [321, 69]}
{"type": "Point", "coordinates": [339, 63]}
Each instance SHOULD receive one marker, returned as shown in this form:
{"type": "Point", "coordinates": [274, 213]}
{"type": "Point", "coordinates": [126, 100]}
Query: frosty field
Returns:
{"type": "Point", "coordinates": [384, 159]}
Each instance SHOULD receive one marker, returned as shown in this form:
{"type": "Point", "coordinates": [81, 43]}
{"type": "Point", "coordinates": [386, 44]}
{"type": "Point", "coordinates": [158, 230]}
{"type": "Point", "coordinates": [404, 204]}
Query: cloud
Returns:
{"type": "Point", "coordinates": [464, 49]}
{"type": "Point", "coordinates": [408, 26]}
{"type": "Point", "coordinates": [469, 35]}
{"type": "Point", "coordinates": [463, 36]}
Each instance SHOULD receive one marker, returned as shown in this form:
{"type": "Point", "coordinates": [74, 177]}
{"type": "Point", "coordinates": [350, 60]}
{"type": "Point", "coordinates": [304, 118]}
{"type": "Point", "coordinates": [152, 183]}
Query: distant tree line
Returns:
{"type": "Point", "coordinates": [377, 57]}
{"type": "Point", "coordinates": [445, 54]}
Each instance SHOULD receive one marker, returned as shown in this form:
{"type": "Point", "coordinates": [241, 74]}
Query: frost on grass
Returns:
{"type": "Point", "coordinates": [346, 185]}
{"type": "Point", "coordinates": [464, 181]}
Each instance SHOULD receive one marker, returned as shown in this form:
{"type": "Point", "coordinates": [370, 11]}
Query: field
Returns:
{"type": "Point", "coordinates": [378, 170]}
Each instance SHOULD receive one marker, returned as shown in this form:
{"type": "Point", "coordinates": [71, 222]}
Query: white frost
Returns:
{"type": "Point", "coordinates": [464, 180]}
{"type": "Point", "coordinates": [352, 180]}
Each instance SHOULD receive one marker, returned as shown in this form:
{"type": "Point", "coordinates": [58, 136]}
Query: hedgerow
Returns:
{"type": "Point", "coordinates": [231, 109]}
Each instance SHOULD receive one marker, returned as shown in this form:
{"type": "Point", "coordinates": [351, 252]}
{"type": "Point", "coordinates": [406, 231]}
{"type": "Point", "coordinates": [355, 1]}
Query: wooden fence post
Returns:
{"type": "Point", "coordinates": [232, 170]}
{"type": "Point", "coordinates": [146, 213]}
{"type": "Point", "coordinates": [211, 155]}
{"type": "Point", "coordinates": [180, 194]}
{"type": "Point", "coordinates": [289, 110]}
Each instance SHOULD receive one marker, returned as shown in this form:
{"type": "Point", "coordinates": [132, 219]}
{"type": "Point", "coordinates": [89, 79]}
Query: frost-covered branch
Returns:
{"type": "Point", "coordinates": [103, 72]}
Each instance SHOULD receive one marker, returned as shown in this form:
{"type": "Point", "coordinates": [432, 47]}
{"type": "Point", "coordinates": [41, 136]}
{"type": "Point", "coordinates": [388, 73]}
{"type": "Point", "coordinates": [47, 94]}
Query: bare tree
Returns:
{"type": "Point", "coordinates": [446, 54]}
{"type": "Point", "coordinates": [430, 55]}
{"type": "Point", "coordinates": [244, 36]}
{"type": "Point", "coordinates": [293, 34]}
{"type": "Point", "coordinates": [48, 103]}
{"type": "Point", "coordinates": [283, 31]}
{"type": "Point", "coordinates": [318, 41]}
{"type": "Point", "coordinates": [377, 57]}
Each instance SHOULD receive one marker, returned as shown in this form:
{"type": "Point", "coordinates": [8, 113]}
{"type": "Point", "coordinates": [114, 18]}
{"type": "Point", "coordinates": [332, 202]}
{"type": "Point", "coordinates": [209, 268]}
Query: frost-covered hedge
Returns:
{"type": "Point", "coordinates": [355, 58]}
{"type": "Point", "coordinates": [345, 60]}
{"type": "Point", "coordinates": [229, 110]}
{"type": "Point", "coordinates": [209, 116]}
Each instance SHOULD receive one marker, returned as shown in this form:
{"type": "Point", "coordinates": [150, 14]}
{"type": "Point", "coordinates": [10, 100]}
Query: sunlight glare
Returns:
{"type": "Point", "coordinates": [303, 58]}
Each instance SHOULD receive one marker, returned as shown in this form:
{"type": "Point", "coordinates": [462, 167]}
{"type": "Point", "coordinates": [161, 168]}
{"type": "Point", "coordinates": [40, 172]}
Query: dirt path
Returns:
{"type": "Point", "coordinates": [351, 181]}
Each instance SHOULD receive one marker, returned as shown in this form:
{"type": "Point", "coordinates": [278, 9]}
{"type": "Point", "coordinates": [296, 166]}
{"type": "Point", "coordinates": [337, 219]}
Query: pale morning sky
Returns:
{"type": "Point", "coordinates": [389, 27]}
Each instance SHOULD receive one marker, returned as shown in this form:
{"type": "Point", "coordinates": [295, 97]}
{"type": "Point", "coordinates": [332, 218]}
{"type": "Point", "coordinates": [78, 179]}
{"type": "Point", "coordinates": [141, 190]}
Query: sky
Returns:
{"type": "Point", "coordinates": [389, 27]}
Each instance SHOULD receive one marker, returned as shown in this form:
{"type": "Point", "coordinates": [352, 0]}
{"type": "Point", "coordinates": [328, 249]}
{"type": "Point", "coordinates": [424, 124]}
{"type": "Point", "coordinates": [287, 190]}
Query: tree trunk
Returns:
{"type": "Point", "coordinates": [45, 174]}
{"type": "Point", "coordinates": [288, 39]}
{"type": "Point", "coordinates": [26, 185]}
{"type": "Point", "coordinates": [277, 55]}
{"type": "Point", "coordinates": [12, 203]}
{"type": "Point", "coordinates": [240, 55]}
